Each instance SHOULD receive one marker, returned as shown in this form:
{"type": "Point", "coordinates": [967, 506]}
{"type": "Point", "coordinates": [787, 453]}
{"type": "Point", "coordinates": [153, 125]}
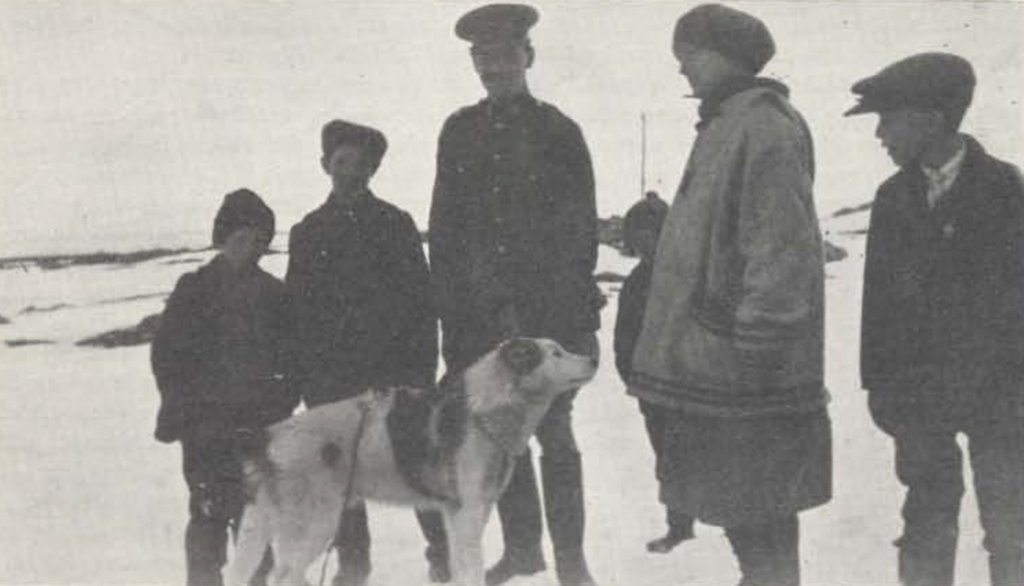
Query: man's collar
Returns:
{"type": "Point", "coordinates": [711, 105]}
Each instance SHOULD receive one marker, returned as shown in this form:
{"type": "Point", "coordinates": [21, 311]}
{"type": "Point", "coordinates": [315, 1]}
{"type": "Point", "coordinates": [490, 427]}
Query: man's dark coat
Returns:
{"type": "Point", "coordinates": [943, 307]}
{"type": "Point", "coordinates": [513, 223]}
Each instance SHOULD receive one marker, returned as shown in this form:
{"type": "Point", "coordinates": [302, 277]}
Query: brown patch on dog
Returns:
{"type": "Point", "coordinates": [522, 355]}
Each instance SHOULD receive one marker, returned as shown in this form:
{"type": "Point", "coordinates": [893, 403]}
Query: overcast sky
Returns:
{"type": "Point", "coordinates": [123, 124]}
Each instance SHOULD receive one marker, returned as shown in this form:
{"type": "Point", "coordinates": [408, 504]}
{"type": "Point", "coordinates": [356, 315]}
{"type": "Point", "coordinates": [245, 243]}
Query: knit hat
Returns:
{"type": "Point", "coordinates": [730, 32]}
{"type": "Point", "coordinates": [241, 209]}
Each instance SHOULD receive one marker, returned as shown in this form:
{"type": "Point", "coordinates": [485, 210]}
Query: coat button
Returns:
{"type": "Point", "coordinates": [501, 248]}
{"type": "Point", "coordinates": [948, 230]}
{"type": "Point", "coordinates": [497, 156]}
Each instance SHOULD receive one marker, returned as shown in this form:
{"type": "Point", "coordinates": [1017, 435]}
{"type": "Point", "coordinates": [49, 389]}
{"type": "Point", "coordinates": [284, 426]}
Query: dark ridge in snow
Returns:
{"type": "Point", "coordinates": [141, 333]}
{"type": "Point", "coordinates": [609, 277]}
{"type": "Point", "coordinates": [852, 210]}
{"type": "Point", "coordinates": [129, 298]}
{"type": "Point", "coordinates": [45, 308]}
{"type": "Point", "coordinates": [4, 321]}
{"type": "Point", "coordinates": [63, 261]}
{"type": "Point", "coordinates": [20, 342]}
{"type": "Point", "coordinates": [857, 232]}
{"type": "Point", "coordinates": [182, 261]}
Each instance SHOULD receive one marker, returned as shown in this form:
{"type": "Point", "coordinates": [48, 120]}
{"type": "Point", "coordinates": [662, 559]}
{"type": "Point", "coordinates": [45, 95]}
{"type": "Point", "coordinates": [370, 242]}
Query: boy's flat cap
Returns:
{"type": "Point", "coordinates": [339, 132]}
{"type": "Point", "coordinates": [730, 32]}
{"type": "Point", "coordinates": [938, 81]}
{"type": "Point", "coordinates": [496, 22]}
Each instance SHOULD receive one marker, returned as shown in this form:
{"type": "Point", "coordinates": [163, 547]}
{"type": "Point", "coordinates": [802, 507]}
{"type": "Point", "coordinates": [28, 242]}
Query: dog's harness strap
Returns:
{"type": "Point", "coordinates": [350, 485]}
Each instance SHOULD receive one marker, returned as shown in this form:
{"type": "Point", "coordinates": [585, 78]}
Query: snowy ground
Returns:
{"type": "Point", "coordinates": [91, 498]}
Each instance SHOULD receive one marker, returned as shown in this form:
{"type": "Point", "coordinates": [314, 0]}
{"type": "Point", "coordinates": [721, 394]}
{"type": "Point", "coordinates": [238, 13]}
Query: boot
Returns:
{"type": "Point", "coordinates": [1006, 570]}
{"type": "Point", "coordinates": [680, 529]}
{"type": "Point", "coordinates": [519, 512]}
{"type": "Point", "coordinates": [562, 477]}
{"type": "Point", "coordinates": [352, 541]}
{"type": "Point", "coordinates": [205, 551]}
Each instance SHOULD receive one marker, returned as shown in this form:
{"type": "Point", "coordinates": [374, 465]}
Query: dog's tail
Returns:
{"type": "Point", "coordinates": [253, 539]}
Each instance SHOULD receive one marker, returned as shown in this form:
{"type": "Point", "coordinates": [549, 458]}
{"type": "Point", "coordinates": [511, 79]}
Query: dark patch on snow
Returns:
{"type": "Point", "coordinates": [4, 321]}
{"type": "Point", "coordinates": [141, 333]}
{"type": "Point", "coordinates": [20, 342]}
{"type": "Point", "coordinates": [834, 253]}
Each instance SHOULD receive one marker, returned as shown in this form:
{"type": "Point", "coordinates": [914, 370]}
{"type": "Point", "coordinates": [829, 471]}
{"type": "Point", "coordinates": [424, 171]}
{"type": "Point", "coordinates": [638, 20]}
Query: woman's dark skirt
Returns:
{"type": "Point", "coordinates": [736, 471]}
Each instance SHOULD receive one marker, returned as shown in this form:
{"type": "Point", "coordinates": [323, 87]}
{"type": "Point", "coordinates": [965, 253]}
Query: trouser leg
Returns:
{"type": "Point", "coordinates": [352, 541]}
{"type": "Point", "coordinates": [520, 515]}
{"type": "Point", "coordinates": [767, 553]}
{"type": "Point", "coordinates": [562, 479]}
{"type": "Point", "coordinates": [997, 458]}
{"type": "Point", "coordinates": [930, 466]}
{"type": "Point", "coordinates": [432, 525]}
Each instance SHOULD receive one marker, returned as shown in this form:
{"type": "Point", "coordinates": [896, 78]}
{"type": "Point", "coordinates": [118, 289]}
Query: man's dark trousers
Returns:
{"type": "Point", "coordinates": [929, 464]}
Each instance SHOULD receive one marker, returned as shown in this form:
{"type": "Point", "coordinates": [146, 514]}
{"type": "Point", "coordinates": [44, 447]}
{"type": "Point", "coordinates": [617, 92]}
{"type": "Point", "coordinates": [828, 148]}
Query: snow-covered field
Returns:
{"type": "Point", "coordinates": [89, 497]}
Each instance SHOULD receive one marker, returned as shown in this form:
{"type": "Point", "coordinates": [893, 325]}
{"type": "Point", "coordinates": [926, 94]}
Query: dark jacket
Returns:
{"type": "Point", "coordinates": [218, 355]}
{"type": "Point", "coordinates": [360, 294]}
{"type": "Point", "coordinates": [513, 222]}
{"type": "Point", "coordinates": [943, 305]}
{"type": "Point", "coordinates": [630, 319]}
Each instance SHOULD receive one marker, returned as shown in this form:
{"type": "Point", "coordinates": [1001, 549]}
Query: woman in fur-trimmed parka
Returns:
{"type": "Point", "coordinates": [733, 331]}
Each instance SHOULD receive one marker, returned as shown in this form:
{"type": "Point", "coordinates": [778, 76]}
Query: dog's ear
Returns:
{"type": "Point", "coordinates": [522, 355]}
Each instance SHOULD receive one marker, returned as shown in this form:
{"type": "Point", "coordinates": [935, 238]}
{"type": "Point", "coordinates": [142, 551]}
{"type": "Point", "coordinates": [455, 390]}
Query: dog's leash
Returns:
{"type": "Point", "coordinates": [349, 486]}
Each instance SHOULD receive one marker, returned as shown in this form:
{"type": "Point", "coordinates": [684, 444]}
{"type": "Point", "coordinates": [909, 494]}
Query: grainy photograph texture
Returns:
{"type": "Point", "coordinates": [552, 293]}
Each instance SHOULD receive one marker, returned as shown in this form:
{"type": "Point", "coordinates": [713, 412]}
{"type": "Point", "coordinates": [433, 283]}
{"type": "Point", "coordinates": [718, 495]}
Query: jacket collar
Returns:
{"type": "Point", "coordinates": [721, 98]}
{"type": "Point", "coordinates": [970, 169]}
{"type": "Point", "coordinates": [508, 108]}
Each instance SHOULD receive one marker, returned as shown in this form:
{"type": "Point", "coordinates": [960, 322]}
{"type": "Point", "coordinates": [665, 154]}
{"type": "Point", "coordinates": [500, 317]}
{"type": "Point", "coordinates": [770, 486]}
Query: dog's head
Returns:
{"type": "Point", "coordinates": [525, 369]}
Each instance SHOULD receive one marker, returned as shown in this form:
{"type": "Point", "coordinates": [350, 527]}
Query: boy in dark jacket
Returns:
{"type": "Point", "coordinates": [942, 334]}
{"type": "Point", "coordinates": [218, 361]}
{"type": "Point", "coordinates": [359, 289]}
{"type": "Point", "coordinates": [641, 228]}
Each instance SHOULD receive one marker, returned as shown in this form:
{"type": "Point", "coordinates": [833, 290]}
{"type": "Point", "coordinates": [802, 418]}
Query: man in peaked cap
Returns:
{"type": "Point", "coordinates": [732, 341]}
{"type": "Point", "coordinates": [359, 290]}
{"type": "Point", "coordinates": [942, 333]}
{"type": "Point", "coordinates": [513, 245]}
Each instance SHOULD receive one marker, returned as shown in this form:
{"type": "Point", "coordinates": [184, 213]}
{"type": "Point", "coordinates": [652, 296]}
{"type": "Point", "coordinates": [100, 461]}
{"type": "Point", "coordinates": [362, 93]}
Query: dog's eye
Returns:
{"type": "Point", "coordinates": [557, 353]}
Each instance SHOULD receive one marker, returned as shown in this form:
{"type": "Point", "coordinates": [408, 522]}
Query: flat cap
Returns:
{"type": "Point", "coordinates": [338, 132]}
{"type": "Point", "coordinates": [241, 209]}
{"type": "Point", "coordinates": [933, 81]}
{"type": "Point", "coordinates": [733, 33]}
{"type": "Point", "coordinates": [496, 22]}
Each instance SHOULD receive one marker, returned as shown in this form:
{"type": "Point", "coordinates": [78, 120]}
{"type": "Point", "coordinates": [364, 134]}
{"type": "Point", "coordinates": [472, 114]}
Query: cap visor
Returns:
{"type": "Point", "coordinates": [860, 108]}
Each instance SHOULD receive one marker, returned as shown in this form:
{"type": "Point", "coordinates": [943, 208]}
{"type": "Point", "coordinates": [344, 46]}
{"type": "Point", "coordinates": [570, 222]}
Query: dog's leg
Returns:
{"type": "Point", "coordinates": [465, 527]}
{"type": "Point", "coordinates": [253, 538]}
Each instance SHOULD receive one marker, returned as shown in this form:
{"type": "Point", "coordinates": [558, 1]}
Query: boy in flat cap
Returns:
{"type": "Point", "coordinates": [732, 337]}
{"type": "Point", "coordinates": [942, 332]}
{"type": "Point", "coordinates": [640, 231]}
{"type": "Point", "coordinates": [359, 287]}
{"type": "Point", "coordinates": [513, 245]}
{"type": "Point", "coordinates": [219, 359]}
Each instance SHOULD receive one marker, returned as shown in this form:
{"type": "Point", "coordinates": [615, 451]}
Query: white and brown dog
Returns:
{"type": "Point", "coordinates": [306, 469]}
